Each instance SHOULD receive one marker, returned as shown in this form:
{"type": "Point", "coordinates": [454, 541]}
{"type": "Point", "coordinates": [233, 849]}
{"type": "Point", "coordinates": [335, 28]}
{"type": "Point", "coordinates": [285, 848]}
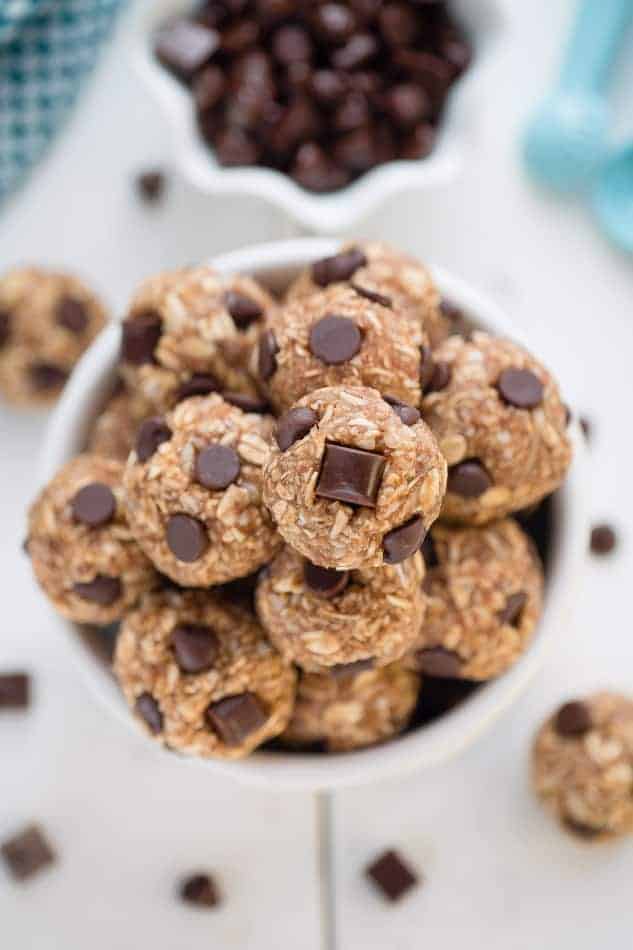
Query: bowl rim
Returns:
{"type": "Point", "coordinates": [428, 745]}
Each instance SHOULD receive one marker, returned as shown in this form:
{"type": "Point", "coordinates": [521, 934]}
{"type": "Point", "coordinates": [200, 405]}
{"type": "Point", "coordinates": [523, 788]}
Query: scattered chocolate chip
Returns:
{"type": "Point", "coordinates": [148, 709]}
{"type": "Point", "coordinates": [183, 46]}
{"type": "Point", "coordinates": [72, 314]}
{"type": "Point", "coordinates": [468, 479]}
{"type": "Point", "coordinates": [151, 433]}
{"type": "Point", "coordinates": [335, 340]}
{"type": "Point", "coordinates": [27, 853]}
{"type": "Point", "coordinates": [102, 590]}
{"type": "Point", "coordinates": [199, 384]}
{"type": "Point", "coordinates": [140, 336]}
{"type": "Point", "coordinates": [603, 539]}
{"type": "Point", "coordinates": [343, 266]}
{"type": "Point", "coordinates": [573, 719]}
{"type": "Point", "coordinates": [586, 427]}
{"type": "Point", "coordinates": [94, 505]}
{"type": "Point", "coordinates": [5, 327]}
{"type": "Point", "coordinates": [406, 413]}
{"type": "Point", "coordinates": [580, 830]}
{"type": "Point", "coordinates": [373, 295]}
{"type": "Point", "coordinates": [151, 185]}
{"type": "Point", "coordinates": [243, 309]}
{"type": "Point", "coordinates": [46, 377]}
{"type": "Point", "coordinates": [440, 378]}
{"type": "Point", "coordinates": [346, 670]}
{"type": "Point", "coordinates": [294, 425]}
{"type": "Point", "coordinates": [200, 890]}
{"type": "Point", "coordinates": [267, 355]}
{"type": "Point", "coordinates": [352, 476]}
{"type": "Point", "coordinates": [217, 466]}
{"type": "Point", "coordinates": [427, 367]}
{"type": "Point", "coordinates": [236, 717]}
{"type": "Point", "coordinates": [246, 403]}
{"type": "Point", "coordinates": [520, 388]}
{"type": "Point", "coordinates": [14, 690]}
{"type": "Point", "coordinates": [429, 552]}
{"type": "Point", "coordinates": [511, 613]}
{"type": "Point", "coordinates": [391, 875]}
{"type": "Point", "coordinates": [196, 647]}
{"type": "Point", "coordinates": [404, 541]}
{"type": "Point", "coordinates": [324, 581]}
{"type": "Point", "coordinates": [436, 661]}
{"type": "Point", "coordinates": [186, 538]}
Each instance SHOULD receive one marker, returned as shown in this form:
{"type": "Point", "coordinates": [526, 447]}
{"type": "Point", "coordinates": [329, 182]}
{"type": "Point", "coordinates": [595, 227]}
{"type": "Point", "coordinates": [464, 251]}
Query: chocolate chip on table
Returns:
{"type": "Point", "coordinates": [324, 581]}
{"type": "Point", "coordinates": [183, 46]}
{"type": "Point", "coordinates": [468, 479]}
{"type": "Point", "coordinates": [243, 309]}
{"type": "Point", "coordinates": [373, 295]}
{"type": "Point", "coordinates": [402, 542]}
{"type": "Point", "coordinates": [246, 403]}
{"type": "Point", "coordinates": [511, 613]}
{"type": "Point", "coordinates": [140, 336]}
{"type": "Point", "coordinates": [335, 340]}
{"type": "Point", "coordinates": [339, 267]}
{"type": "Point", "coordinates": [94, 505]}
{"type": "Point", "coordinates": [217, 466]}
{"type": "Point", "coordinates": [196, 647]}
{"type": "Point", "coordinates": [27, 853]}
{"type": "Point", "coordinates": [437, 661]}
{"type": "Point", "coordinates": [5, 327]}
{"type": "Point", "coordinates": [46, 377]}
{"type": "Point", "coordinates": [603, 539]}
{"type": "Point", "coordinates": [71, 314]}
{"type": "Point", "coordinates": [199, 384]}
{"type": "Point", "coordinates": [406, 413]}
{"type": "Point", "coordinates": [345, 670]}
{"type": "Point", "coordinates": [350, 475]}
{"type": "Point", "coordinates": [102, 590]}
{"type": "Point", "coordinates": [391, 875]}
{"type": "Point", "coordinates": [14, 690]}
{"type": "Point", "coordinates": [148, 709]}
{"type": "Point", "coordinates": [201, 890]}
{"type": "Point", "coordinates": [186, 538]}
{"type": "Point", "coordinates": [151, 185]}
{"type": "Point", "coordinates": [520, 388]}
{"type": "Point", "coordinates": [236, 717]}
{"type": "Point", "coordinates": [151, 433]}
{"type": "Point", "coordinates": [573, 719]}
{"type": "Point", "coordinates": [294, 425]}
{"type": "Point", "coordinates": [267, 355]}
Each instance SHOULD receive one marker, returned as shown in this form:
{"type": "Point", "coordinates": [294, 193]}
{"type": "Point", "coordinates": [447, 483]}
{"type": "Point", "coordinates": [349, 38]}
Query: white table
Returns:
{"type": "Point", "coordinates": [128, 823]}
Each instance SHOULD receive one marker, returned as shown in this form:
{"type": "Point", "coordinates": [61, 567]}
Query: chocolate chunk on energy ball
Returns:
{"type": "Point", "coordinates": [14, 690]}
{"type": "Point", "coordinates": [468, 479]}
{"type": "Point", "coordinates": [201, 890]}
{"type": "Point", "coordinates": [324, 581]}
{"type": "Point", "coordinates": [195, 646]}
{"type": "Point", "coordinates": [140, 336]}
{"type": "Point", "coordinates": [391, 875]}
{"type": "Point", "coordinates": [217, 467]}
{"type": "Point", "coordinates": [402, 542]}
{"type": "Point", "coordinates": [406, 413]}
{"type": "Point", "coordinates": [236, 717]}
{"type": "Point", "coordinates": [243, 309]}
{"type": "Point", "coordinates": [573, 719]}
{"type": "Point", "coordinates": [437, 661]}
{"type": "Point", "coordinates": [27, 853]}
{"type": "Point", "coordinates": [102, 590]}
{"type": "Point", "coordinates": [198, 384]}
{"type": "Point", "coordinates": [72, 314]}
{"type": "Point", "coordinates": [266, 356]}
{"type": "Point", "coordinates": [186, 537]}
{"type": "Point", "coordinates": [373, 295]}
{"type": "Point", "coordinates": [350, 475]}
{"type": "Point", "coordinates": [335, 340]}
{"type": "Point", "coordinates": [520, 388]}
{"type": "Point", "coordinates": [46, 376]}
{"type": "Point", "coordinates": [147, 708]}
{"type": "Point", "coordinates": [603, 539]}
{"type": "Point", "coordinates": [515, 603]}
{"type": "Point", "coordinates": [294, 425]}
{"type": "Point", "coordinates": [152, 433]}
{"type": "Point", "coordinates": [94, 505]}
{"type": "Point", "coordinates": [339, 267]}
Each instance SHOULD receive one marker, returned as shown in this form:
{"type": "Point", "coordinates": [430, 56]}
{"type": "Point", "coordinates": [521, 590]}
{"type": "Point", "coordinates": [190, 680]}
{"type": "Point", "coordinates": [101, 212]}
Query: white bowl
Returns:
{"type": "Point", "coordinates": [275, 265]}
{"type": "Point", "coordinates": [339, 211]}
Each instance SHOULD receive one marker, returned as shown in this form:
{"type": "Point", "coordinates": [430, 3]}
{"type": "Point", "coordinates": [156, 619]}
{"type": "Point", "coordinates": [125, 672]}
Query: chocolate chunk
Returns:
{"type": "Point", "coordinates": [357, 52]}
{"type": "Point", "coordinates": [419, 143]}
{"type": "Point", "coordinates": [350, 475]}
{"type": "Point", "coordinates": [148, 709]}
{"type": "Point", "coordinates": [102, 590]}
{"type": "Point", "coordinates": [243, 309]}
{"type": "Point", "coordinates": [520, 388]}
{"type": "Point", "coordinates": [407, 414]}
{"type": "Point", "coordinates": [196, 647]}
{"type": "Point", "coordinates": [14, 690]}
{"type": "Point", "coordinates": [335, 340]}
{"type": "Point", "coordinates": [327, 87]}
{"type": "Point", "coordinates": [294, 425]}
{"type": "Point", "coordinates": [603, 539]}
{"type": "Point", "coordinates": [353, 112]}
{"type": "Point", "coordinates": [586, 427]}
{"type": "Point", "coordinates": [373, 295]}
{"type": "Point", "coordinates": [335, 22]}
{"type": "Point", "coordinates": [217, 466]}
{"type": "Point", "coordinates": [407, 104]}
{"type": "Point", "coordinates": [436, 661]}
{"type": "Point", "coordinates": [46, 376]}
{"type": "Point", "coordinates": [72, 314]}
{"type": "Point", "coordinates": [427, 367]}
{"type": "Point", "coordinates": [200, 890]}
{"type": "Point", "coordinates": [236, 717]}
{"type": "Point", "coordinates": [94, 505]}
{"type": "Point", "coordinates": [151, 185]}
{"type": "Point", "coordinates": [186, 538]}
{"type": "Point", "coordinates": [240, 36]}
{"type": "Point", "coordinates": [429, 552]}
{"type": "Point", "coordinates": [399, 24]}
{"type": "Point", "coordinates": [404, 541]}
{"type": "Point", "coordinates": [199, 384]}
{"type": "Point", "coordinates": [440, 378]}
{"type": "Point", "coordinates": [291, 44]}
{"type": "Point", "coordinates": [208, 88]}
{"type": "Point", "coordinates": [152, 432]}
{"type": "Point", "coordinates": [235, 148]}
{"type": "Point", "coordinates": [468, 479]}
{"type": "Point", "coordinates": [324, 581]}
{"type": "Point", "coordinates": [391, 875]}
{"type": "Point", "coordinates": [573, 719]}
{"type": "Point", "coordinates": [27, 853]}
{"type": "Point", "coordinates": [267, 355]}
{"type": "Point", "coordinates": [580, 830]}
{"type": "Point", "coordinates": [5, 327]}
{"type": "Point", "coordinates": [183, 46]}
{"type": "Point", "coordinates": [246, 403]}
{"type": "Point", "coordinates": [314, 169]}
{"type": "Point", "coordinates": [343, 266]}
{"type": "Point", "coordinates": [140, 336]}
{"type": "Point", "coordinates": [346, 670]}
{"type": "Point", "coordinates": [511, 613]}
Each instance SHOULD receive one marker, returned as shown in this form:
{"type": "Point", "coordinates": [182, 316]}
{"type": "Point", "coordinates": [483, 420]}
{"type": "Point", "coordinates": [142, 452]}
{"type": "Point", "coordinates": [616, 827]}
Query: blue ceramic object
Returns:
{"type": "Point", "coordinates": [612, 198]}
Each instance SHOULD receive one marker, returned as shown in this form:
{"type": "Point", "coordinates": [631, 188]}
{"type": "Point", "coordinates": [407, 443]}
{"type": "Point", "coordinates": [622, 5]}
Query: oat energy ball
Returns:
{"type": "Point", "coordinates": [47, 320]}
{"type": "Point", "coordinates": [113, 433]}
{"type": "Point", "coordinates": [352, 707]}
{"type": "Point", "coordinates": [193, 490]}
{"type": "Point", "coordinates": [497, 415]}
{"type": "Point", "coordinates": [190, 332]}
{"type": "Point", "coordinates": [582, 765]}
{"type": "Point", "coordinates": [201, 676]}
{"type": "Point", "coordinates": [318, 617]}
{"type": "Point", "coordinates": [341, 336]}
{"type": "Point", "coordinates": [484, 589]}
{"type": "Point", "coordinates": [349, 483]}
{"type": "Point", "coordinates": [80, 544]}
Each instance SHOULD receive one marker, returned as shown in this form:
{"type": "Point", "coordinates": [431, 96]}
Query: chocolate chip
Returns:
{"type": "Point", "coordinates": [94, 505]}
{"type": "Point", "coordinates": [335, 22]}
{"type": "Point", "coordinates": [200, 890]}
{"type": "Point", "coordinates": [573, 719]}
{"type": "Point", "coordinates": [5, 327]}
{"type": "Point", "coordinates": [236, 717]}
{"type": "Point", "coordinates": [324, 581]}
{"type": "Point", "coordinates": [267, 355]}
{"type": "Point", "coordinates": [398, 24]}
{"type": "Point", "coordinates": [580, 830]}
{"type": "Point", "coordinates": [152, 432]}
{"type": "Point", "coordinates": [27, 853]}
{"type": "Point", "coordinates": [46, 376]}
{"type": "Point", "coordinates": [404, 541]}
{"type": "Point", "coordinates": [199, 384]}
{"type": "Point", "coordinates": [208, 88]}
{"type": "Point", "coordinates": [102, 590]}
{"type": "Point", "coordinates": [468, 479]}
{"type": "Point", "coordinates": [350, 475]}
{"type": "Point", "coordinates": [511, 613]}
{"type": "Point", "coordinates": [186, 538]}
{"type": "Point", "coordinates": [315, 170]}
{"type": "Point", "coordinates": [72, 314]}
{"type": "Point", "coordinates": [586, 427]}
{"type": "Point", "coordinates": [140, 336]}
{"type": "Point", "coordinates": [246, 403]}
{"type": "Point", "coordinates": [358, 51]}
{"type": "Point", "coordinates": [429, 552]}
{"type": "Point", "coordinates": [183, 46]}
{"type": "Point", "coordinates": [406, 413]}
{"type": "Point", "coordinates": [373, 295]}
{"type": "Point", "coordinates": [196, 647]}
{"type": "Point", "coordinates": [603, 539]}
{"type": "Point", "coordinates": [407, 104]}
{"type": "Point", "coordinates": [427, 367]}
{"type": "Point", "coordinates": [391, 875]}
{"type": "Point", "coordinates": [343, 266]}
{"type": "Point", "coordinates": [346, 670]}
{"type": "Point", "coordinates": [294, 425]}
{"type": "Point", "coordinates": [217, 466]}
{"type": "Point", "coordinates": [520, 388]}
{"type": "Point", "coordinates": [327, 86]}
{"type": "Point", "coordinates": [335, 340]}
{"type": "Point", "coordinates": [419, 143]}
{"type": "Point", "coordinates": [353, 112]}
{"type": "Point", "coordinates": [436, 661]}
{"type": "Point", "coordinates": [440, 378]}
{"type": "Point", "coordinates": [243, 309]}
{"type": "Point", "coordinates": [14, 690]}
{"type": "Point", "coordinates": [148, 709]}
{"type": "Point", "coordinates": [234, 148]}
{"type": "Point", "coordinates": [151, 185]}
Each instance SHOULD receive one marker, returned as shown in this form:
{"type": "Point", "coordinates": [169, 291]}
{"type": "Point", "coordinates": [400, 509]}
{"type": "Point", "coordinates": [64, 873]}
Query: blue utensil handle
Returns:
{"type": "Point", "coordinates": [598, 31]}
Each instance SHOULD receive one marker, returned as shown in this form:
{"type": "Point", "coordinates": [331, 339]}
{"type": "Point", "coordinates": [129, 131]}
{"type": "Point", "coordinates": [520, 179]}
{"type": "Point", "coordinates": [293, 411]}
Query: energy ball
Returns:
{"type": "Point", "coordinates": [83, 553]}
{"type": "Point", "coordinates": [190, 332]}
{"type": "Point", "coordinates": [113, 433]}
{"type": "Point", "coordinates": [47, 320]}
{"type": "Point", "coordinates": [582, 766]}
{"type": "Point", "coordinates": [497, 415]}
{"type": "Point", "coordinates": [341, 337]}
{"type": "Point", "coordinates": [200, 675]}
{"type": "Point", "coordinates": [193, 490]}
{"type": "Point", "coordinates": [349, 708]}
{"type": "Point", "coordinates": [484, 589]}
{"type": "Point", "coordinates": [318, 617]}
{"type": "Point", "coordinates": [349, 483]}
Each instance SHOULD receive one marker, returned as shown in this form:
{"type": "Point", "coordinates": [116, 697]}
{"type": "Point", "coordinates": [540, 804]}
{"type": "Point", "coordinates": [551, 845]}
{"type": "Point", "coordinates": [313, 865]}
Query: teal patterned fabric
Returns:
{"type": "Point", "coordinates": [47, 50]}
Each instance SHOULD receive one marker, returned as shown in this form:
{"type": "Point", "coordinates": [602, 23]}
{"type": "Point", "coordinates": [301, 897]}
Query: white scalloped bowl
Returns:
{"type": "Point", "coordinates": [275, 265]}
{"type": "Point", "coordinates": [341, 210]}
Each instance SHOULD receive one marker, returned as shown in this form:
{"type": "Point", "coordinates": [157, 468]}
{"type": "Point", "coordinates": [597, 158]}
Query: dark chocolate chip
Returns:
{"type": "Point", "coordinates": [520, 388]}
{"type": "Point", "coordinates": [140, 336]}
{"type": "Point", "coordinates": [5, 327]}
{"type": "Point", "coordinates": [236, 717]}
{"type": "Point", "coordinates": [346, 670]}
{"type": "Point", "coordinates": [291, 44]}
{"type": "Point", "coordinates": [335, 22]}
{"type": "Point", "coordinates": [358, 51]}
{"type": "Point", "coordinates": [234, 148]}
{"type": "Point", "coordinates": [246, 403]}
{"type": "Point", "coordinates": [391, 875]}
{"type": "Point", "coordinates": [350, 475]}
{"type": "Point", "coordinates": [573, 719]}
{"type": "Point", "coordinates": [243, 309]}
{"type": "Point", "coordinates": [603, 539]}
{"type": "Point", "coordinates": [148, 709]}
{"type": "Point", "coordinates": [436, 661]}
{"type": "Point", "coordinates": [511, 613]}
{"type": "Point", "coordinates": [208, 88]}
{"type": "Point", "coordinates": [217, 466]}
{"type": "Point", "coordinates": [335, 340]}
{"type": "Point", "coordinates": [152, 432]}
{"type": "Point", "coordinates": [324, 581]}
{"type": "Point", "coordinates": [407, 414]}
{"type": "Point", "coordinates": [267, 355]}
{"type": "Point", "coordinates": [199, 384]}
{"type": "Point", "coordinates": [72, 314]}
{"type": "Point", "coordinates": [404, 541]}
{"type": "Point", "coordinates": [196, 647]}
{"type": "Point", "coordinates": [94, 505]}
{"type": "Point", "coordinates": [294, 425]}
{"type": "Point", "coordinates": [429, 552]}
{"type": "Point", "coordinates": [183, 46]}
{"type": "Point", "coordinates": [151, 185]}
{"type": "Point", "coordinates": [200, 890]}
{"type": "Point", "coordinates": [186, 538]}
{"type": "Point", "coordinates": [353, 112]}
{"type": "Point", "coordinates": [27, 853]}
{"type": "Point", "coordinates": [102, 590]}
{"type": "Point", "coordinates": [468, 479]}
{"type": "Point", "coordinates": [440, 379]}
{"type": "Point", "coordinates": [373, 295]}
{"type": "Point", "coordinates": [580, 830]}
{"type": "Point", "coordinates": [427, 367]}
{"type": "Point", "coordinates": [327, 87]}
{"type": "Point", "coordinates": [407, 104]}
{"type": "Point", "coordinates": [46, 376]}
{"type": "Point", "coordinates": [586, 427]}
{"type": "Point", "coordinates": [340, 267]}
{"type": "Point", "coordinates": [419, 143]}
{"type": "Point", "coordinates": [314, 169]}
{"type": "Point", "coordinates": [399, 24]}
{"type": "Point", "coordinates": [14, 690]}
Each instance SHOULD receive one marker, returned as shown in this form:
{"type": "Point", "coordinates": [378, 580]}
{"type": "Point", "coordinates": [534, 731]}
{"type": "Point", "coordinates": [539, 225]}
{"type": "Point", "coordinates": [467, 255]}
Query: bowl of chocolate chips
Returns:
{"type": "Point", "coordinates": [323, 109]}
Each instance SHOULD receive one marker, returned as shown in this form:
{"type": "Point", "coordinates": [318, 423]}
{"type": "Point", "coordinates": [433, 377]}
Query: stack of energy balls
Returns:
{"type": "Point", "coordinates": [347, 453]}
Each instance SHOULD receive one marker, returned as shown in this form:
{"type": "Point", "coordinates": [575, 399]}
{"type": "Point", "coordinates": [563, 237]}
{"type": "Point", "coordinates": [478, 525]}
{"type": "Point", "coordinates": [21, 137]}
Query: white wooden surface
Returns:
{"type": "Point", "coordinates": [126, 821]}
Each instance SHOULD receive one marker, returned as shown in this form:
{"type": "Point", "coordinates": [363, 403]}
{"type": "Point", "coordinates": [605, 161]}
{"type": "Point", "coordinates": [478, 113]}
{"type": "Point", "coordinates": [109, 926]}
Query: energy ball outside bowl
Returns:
{"type": "Point", "coordinates": [82, 550]}
{"type": "Point", "coordinates": [349, 484]}
{"type": "Point", "coordinates": [200, 675]}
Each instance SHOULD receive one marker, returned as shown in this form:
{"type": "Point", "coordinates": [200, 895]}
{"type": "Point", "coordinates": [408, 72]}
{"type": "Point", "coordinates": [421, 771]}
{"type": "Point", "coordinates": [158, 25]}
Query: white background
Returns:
{"type": "Point", "coordinates": [129, 821]}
